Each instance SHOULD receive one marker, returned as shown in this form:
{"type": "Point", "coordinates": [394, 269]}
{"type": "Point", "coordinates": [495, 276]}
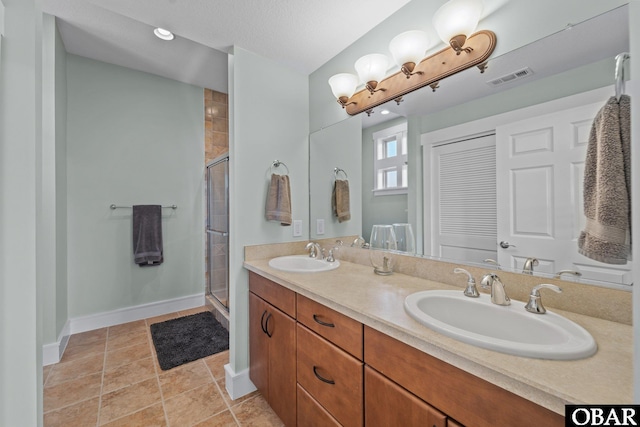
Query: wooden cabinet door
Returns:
{"type": "Point", "coordinates": [258, 346]}
{"type": "Point", "coordinates": [281, 333]}
{"type": "Point", "coordinates": [388, 404]}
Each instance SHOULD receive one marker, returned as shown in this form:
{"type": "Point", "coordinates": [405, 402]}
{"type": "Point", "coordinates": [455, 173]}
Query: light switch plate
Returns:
{"type": "Point", "coordinates": [319, 226]}
{"type": "Point", "coordinates": [297, 227]}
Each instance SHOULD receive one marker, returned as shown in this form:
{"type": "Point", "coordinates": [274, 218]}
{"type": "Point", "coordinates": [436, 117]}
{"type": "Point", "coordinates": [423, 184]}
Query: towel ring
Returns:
{"type": "Point", "coordinates": [336, 171]}
{"type": "Point", "coordinates": [276, 164]}
{"type": "Point", "coordinates": [619, 73]}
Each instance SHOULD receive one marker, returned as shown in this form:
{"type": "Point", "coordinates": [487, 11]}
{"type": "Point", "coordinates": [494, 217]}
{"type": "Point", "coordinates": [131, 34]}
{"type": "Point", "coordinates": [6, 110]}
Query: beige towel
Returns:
{"type": "Point", "coordinates": [340, 200]}
{"type": "Point", "coordinates": [607, 185]}
{"type": "Point", "coordinates": [279, 200]}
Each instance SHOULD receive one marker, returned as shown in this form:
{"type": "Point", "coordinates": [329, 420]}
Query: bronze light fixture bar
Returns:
{"type": "Point", "coordinates": [431, 70]}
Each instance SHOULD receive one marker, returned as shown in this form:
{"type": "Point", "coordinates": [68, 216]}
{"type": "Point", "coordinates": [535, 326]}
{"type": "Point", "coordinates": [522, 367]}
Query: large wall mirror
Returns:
{"type": "Point", "coordinates": [579, 59]}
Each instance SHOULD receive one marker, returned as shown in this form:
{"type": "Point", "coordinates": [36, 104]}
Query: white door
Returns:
{"type": "Point", "coordinates": [539, 181]}
{"type": "Point", "coordinates": [463, 199]}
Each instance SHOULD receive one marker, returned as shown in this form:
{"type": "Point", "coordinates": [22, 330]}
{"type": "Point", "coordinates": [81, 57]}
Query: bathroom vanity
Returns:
{"type": "Point", "coordinates": [337, 348]}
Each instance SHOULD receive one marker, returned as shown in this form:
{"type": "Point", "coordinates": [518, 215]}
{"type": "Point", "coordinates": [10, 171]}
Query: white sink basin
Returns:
{"type": "Point", "coordinates": [302, 264]}
{"type": "Point", "coordinates": [508, 329]}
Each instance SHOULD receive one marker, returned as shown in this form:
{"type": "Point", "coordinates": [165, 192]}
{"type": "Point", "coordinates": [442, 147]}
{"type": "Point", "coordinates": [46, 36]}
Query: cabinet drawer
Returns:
{"type": "Point", "coordinates": [464, 397]}
{"type": "Point", "coordinates": [311, 414]}
{"type": "Point", "coordinates": [341, 330]}
{"type": "Point", "coordinates": [388, 404]}
{"type": "Point", "coordinates": [332, 376]}
{"type": "Point", "coordinates": [273, 293]}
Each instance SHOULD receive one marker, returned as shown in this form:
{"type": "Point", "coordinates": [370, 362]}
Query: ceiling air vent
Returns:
{"type": "Point", "coordinates": [507, 78]}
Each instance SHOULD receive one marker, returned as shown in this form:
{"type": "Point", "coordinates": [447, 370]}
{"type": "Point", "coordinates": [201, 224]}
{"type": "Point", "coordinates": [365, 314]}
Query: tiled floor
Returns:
{"type": "Point", "coordinates": [111, 377]}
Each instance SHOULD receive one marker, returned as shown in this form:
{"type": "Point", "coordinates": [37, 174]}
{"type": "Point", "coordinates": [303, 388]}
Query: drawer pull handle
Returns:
{"type": "Point", "coordinates": [266, 326]}
{"type": "Point", "coordinates": [262, 322]}
{"type": "Point", "coordinates": [320, 322]}
{"type": "Point", "coordinates": [321, 378]}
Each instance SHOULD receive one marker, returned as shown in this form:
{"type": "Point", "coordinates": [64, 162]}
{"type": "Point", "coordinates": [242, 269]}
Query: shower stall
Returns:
{"type": "Point", "coordinates": [218, 229]}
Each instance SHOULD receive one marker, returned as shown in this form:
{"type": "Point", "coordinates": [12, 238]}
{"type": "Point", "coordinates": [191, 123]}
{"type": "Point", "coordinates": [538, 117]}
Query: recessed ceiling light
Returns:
{"type": "Point", "coordinates": [163, 34]}
{"type": "Point", "coordinates": [384, 112]}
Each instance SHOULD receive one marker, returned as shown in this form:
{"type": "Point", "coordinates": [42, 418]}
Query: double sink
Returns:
{"type": "Point", "coordinates": [477, 321]}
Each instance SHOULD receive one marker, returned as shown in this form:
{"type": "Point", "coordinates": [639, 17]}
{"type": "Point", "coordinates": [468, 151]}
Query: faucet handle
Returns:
{"type": "Point", "coordinates": [471, 290]}
{"type": "Point", "coordinates": [535, 302]}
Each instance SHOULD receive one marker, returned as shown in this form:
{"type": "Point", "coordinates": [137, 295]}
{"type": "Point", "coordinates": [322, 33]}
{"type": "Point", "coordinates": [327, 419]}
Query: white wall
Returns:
{"type": "Point", "coordinates": [269, 120]}
{"type": "Point", "coordinates": [20, 145]}
{"type": "Point", "coordinates": [132, 138]}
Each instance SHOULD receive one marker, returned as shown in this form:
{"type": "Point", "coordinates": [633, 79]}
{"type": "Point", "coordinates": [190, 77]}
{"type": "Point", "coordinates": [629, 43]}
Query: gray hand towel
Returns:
{"type": "Point", "coordinates": [607, 185]}
{"type": "Point", "coordinates": [278, 206]}
{"type": "Point", "coordinates": [147, 235]}
{"type": "Point", "coordinates": [340, 200]}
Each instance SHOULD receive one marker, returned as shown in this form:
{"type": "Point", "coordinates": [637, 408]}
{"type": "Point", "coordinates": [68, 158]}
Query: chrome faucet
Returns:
{"type": "Point", "coordinates": [561, 272]}
{"type": "Point", "coordinates": [314, 250]}
{"type": "Point", "coordinates": [529, 264]}
{"type": "Point", "coordinates": [535, 303]}
{"type": "Point", "coordinates": [492, 261]}
{"type": "Point", "coordinates": [471, 290]}
{"type": "Point", "coordinates": [498, 294]}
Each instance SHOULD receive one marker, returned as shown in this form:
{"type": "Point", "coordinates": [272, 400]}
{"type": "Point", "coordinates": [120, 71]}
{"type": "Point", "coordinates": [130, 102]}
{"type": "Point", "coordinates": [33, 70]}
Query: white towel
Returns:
{"type": "Point", "coordinates": [607, 185]}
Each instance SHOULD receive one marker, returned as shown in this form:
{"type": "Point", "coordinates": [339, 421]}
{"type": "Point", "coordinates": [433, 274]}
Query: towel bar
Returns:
{"type": "Point", "coordinates": [336, 171]}
{"type": "Point", "coordinates": [113, 206]}
{"type": "Point", "coordinates": [276, 164]}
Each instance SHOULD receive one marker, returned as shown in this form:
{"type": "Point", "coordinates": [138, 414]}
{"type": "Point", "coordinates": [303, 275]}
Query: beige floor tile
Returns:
{"type": "Point", "coordinates": [162, 318]}
{"type": "Point", "coordinates": [89, 336]}
{"type": "Point", "coordinates": [216, 363]}
{"type": "Point", "coordinates": [127, 339]}
{"type": "Point", "coordinates": [126, 355]}
{"type": "Point", "coordinates": [125, 328]}
{"type": "Point", "coordinates": [125, 375]}
{"type": "Point", "coordinates": [224, 419]}
{"type": "Point", "coordinates": [256, 412]}
{"type": "Point", "coordinates": [194, 311]}
{"type": "Point", "coordinates": [67, 393]}
{"type": "Point", "coordinates": [65, 371]}
{"type": "Point", "coordinates": [194, 406]}
{"type": "Point", "coordinates": [128, 400]}
{"type": "Point", "coordinates": [79, 349]}
{"type": "Point", "coordinates": [184, 378]}
{"type": "Point", "coordinates": [80, 414]}
{"type": "Point", "coordinates": [153, 416]}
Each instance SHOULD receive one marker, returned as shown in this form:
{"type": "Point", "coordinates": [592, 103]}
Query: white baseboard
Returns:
{"type": "Point", "coordinates": [130, 314]}
{"type": "Point", "coordinates": [237, 384]}
{"type": "Point", "coordinates": [52, 353]}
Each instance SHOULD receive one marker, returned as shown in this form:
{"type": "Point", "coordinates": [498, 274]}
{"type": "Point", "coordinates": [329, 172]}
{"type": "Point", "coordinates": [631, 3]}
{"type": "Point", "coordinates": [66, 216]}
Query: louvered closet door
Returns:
{"type": "Point", "coordinates": [463, 199]}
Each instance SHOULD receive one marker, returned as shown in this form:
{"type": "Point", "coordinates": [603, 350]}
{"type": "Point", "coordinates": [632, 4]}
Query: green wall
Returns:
{"type": "Point", "coordinates": [269, 120]}
{"type": "Point", "coordinates": [20, 188]}
{"type": "Point", "coordinates": [132, 138]}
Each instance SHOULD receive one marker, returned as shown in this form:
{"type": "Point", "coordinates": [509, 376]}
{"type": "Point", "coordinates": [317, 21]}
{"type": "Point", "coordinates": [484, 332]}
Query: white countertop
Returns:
{"type": "Point", "coordinates": [378, 302]}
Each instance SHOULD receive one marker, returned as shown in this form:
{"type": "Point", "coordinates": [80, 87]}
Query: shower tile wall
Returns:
{"type": "Point", "coordinates": [216, 124]}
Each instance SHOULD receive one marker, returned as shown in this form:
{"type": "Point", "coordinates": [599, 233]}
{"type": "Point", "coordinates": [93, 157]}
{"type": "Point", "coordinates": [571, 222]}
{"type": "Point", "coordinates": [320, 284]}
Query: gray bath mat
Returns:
{"type": "Point", "coordinates": [185, 339]}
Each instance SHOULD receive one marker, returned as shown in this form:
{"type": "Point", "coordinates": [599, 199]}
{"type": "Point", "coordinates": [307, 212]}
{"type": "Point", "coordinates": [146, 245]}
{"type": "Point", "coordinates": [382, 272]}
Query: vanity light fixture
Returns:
{"type": "Point", "coordinates": [163, 34]}
{"type": "Point", "coordinates": [455, 23]}
{"type": "Point", "coordinates": [371, 69]}
{"type": "Point", "coordinates": [456, 20]}
{"type": "Point", "coordinates": [408, 49]}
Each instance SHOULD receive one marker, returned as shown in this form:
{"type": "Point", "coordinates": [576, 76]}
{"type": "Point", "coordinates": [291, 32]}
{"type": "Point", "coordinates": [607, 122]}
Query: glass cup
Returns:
{"type": "Point", "coordinates": [405, 239]}
{"type": "Point", "coordinates": [383, 240]}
